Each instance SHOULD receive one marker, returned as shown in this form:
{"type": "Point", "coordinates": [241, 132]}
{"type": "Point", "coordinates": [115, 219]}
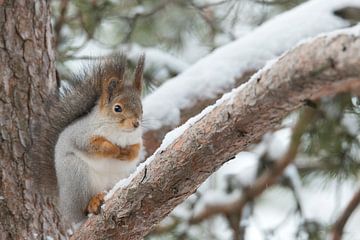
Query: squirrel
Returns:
{"type": "Point", "coordinates": [96, 132]}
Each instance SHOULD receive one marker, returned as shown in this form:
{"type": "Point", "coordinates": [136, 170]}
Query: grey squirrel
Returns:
{"type": "Point", "coordinates": [96, 130]}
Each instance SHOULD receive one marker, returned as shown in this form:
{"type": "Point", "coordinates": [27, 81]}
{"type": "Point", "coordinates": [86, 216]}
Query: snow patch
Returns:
{"type": "Point", "coordinates": [243, 167]}
{"type": "Point", "coordinates": [275, 145]}
{"type": "Point", "coordinates": [351, 122]}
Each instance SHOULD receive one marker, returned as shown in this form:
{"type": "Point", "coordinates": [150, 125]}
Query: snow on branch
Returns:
{"type": "Point", "coordinates": [230, 65]}
{"type": "Point", "coordinates": [323, 66]}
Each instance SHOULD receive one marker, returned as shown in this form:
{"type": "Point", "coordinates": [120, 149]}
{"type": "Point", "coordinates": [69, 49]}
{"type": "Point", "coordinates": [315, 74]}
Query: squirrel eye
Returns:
{"type": "Point", "coordinates": [117, 108]}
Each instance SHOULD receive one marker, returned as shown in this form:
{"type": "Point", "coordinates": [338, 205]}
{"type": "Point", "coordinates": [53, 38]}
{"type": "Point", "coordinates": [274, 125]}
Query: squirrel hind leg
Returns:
{"type": "Point", "coordinates": [95, 203]}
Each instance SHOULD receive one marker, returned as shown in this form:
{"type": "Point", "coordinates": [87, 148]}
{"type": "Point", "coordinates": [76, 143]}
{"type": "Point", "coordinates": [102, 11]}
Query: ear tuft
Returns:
{"type": "Point", "coordinates": [139, 73]}
{"type": "Point", "coordinates": [110, 88]}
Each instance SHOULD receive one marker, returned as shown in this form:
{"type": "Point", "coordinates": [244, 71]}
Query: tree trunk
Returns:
{"type": "Point", "coordinates": [27, 75]}
{"type": "Point", "coordinates": [324, 66]}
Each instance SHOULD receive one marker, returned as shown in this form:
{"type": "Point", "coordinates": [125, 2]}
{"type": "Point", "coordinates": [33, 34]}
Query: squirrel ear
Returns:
{"type": "Point", "coordinates": [139, 73]}
{"type": "Point", "coordinates": [110, 87]}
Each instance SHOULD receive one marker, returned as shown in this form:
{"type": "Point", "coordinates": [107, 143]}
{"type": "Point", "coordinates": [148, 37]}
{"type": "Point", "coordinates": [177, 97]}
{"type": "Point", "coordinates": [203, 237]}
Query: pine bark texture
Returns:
{"type": "Point", "coordinates": [324, 66]}
{"type": "Point", "coordinates": [27, 74]}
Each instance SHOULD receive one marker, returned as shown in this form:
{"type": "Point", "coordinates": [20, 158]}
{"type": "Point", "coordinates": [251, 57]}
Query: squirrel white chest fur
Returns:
{"type": "Point", "coordinates": [103, 172]}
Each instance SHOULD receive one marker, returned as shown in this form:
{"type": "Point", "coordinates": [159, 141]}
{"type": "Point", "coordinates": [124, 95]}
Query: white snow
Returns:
{"type": "Point", "coordinates": [215, 198]}
{"type": "Point", "coordinates": [279, 143]}
{"type": "Point", "coordinates": [355, 30]}
{"type": "Point", "coordinates": [243, 166]}
{"type": "Point", "coordinates": [351, 123]}
{"type": "Point", "coordinates": [323, 193]}
{"type": "Point", "coordinates": [182, 211]}
{"type": "Point", "coordinates": [274, 144]}
{"type": "Point", "coordinates": [137, 11]}
{"type": "Point", "coordinates": [293, 174]}
{"type": "Point", "coordinates": [217, 71]}
{"type": "Point", "coordinates": [156, 58]}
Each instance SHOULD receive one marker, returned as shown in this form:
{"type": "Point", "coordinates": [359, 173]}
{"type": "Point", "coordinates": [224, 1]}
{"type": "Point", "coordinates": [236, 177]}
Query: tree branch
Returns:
{"type": "Point", "coordinates": [324, 66]}
{"type": "Point", "coordinates": [266, 180]}
{"type": "Point", "coordinates": [339, 225]}
{"type": "Point", "coordinates": [229, 67]}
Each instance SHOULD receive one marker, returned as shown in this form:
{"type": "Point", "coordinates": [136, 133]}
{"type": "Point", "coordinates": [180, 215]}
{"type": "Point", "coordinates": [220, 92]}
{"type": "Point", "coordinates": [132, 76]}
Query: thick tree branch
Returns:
{"type": "Point", "coordinates": [229, 66]}
{"type": "Point", "coordinates": [324, 66]}
{"type": "Point", "coordinates": [339, 225]}
{"type": "Point", "coordinates": [266, 180]}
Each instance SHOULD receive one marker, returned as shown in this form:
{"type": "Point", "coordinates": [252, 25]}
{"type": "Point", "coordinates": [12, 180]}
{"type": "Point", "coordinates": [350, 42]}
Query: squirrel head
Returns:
{"type": "Point", "coordinates": [120, 98]}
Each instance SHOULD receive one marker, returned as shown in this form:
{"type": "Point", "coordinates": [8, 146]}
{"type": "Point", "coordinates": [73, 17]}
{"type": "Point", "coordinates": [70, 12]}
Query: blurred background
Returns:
{"type": "Point", "coordinates": [313, 191]}
{"type": "Point", "coordinates": [174, 34]}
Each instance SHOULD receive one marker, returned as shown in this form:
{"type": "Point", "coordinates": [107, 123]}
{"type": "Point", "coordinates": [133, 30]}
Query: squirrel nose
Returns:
{"type": "Point", "coordinates": [136, 124]}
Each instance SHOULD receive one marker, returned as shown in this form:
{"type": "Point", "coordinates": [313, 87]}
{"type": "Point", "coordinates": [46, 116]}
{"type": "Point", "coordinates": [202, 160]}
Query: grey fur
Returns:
{"type": "Point", "coordinates": [72, 119]}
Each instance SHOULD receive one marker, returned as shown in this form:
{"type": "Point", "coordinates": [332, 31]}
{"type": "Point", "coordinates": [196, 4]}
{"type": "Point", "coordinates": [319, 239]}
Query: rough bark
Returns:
{"type": "Point", "coordinates": [27, 74]}
{"type": "Point", "coordinates": [321, 67]}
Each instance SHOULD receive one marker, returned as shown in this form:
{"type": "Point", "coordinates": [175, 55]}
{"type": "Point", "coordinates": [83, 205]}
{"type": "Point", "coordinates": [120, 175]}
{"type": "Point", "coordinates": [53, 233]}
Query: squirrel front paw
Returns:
{"type": "Point", "coordinates": [131, 152]}
{"type": "Point", "coordinates": [95, 203]}
{"type": "Point", "coordinates": [102, 147]}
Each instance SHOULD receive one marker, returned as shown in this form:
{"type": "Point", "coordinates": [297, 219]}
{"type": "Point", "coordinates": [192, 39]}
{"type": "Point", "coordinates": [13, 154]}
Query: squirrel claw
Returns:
{"type": "Point", "coordinates": [95, 203]}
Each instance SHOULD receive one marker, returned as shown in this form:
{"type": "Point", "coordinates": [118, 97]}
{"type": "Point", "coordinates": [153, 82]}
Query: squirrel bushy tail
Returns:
{"type": "Point", "coordinates": [71, 104]}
